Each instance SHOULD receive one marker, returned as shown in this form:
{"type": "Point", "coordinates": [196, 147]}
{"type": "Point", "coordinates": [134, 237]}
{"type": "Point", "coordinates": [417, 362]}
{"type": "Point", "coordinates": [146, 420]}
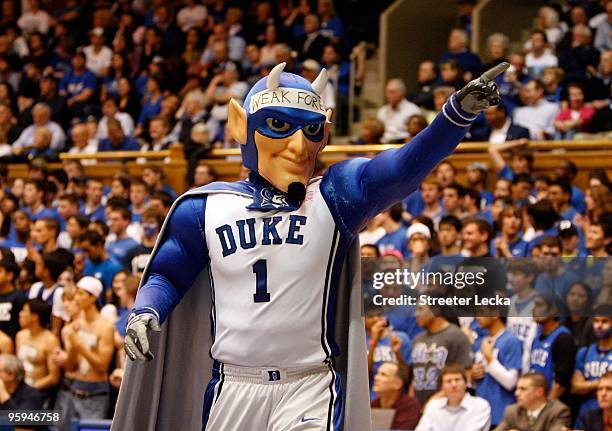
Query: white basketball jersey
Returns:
{"type": "Point", "coordinates": [525, 329]}
{"type": "Point", "coordinates": [271, 274]}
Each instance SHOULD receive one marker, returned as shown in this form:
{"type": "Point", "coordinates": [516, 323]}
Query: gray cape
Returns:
{"type": "Point", "coordinates": [167, 394]}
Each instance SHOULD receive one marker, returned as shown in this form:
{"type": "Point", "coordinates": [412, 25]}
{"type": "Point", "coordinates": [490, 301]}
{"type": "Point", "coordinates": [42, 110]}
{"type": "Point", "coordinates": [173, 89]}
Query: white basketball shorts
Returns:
{"type": "Point", "coordinates": [273, 399]}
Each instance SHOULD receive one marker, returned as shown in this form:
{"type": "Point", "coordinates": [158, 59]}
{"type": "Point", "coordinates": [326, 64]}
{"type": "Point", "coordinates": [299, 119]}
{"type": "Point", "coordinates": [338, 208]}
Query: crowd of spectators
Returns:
{"type": "Point", "coordinates": [543, 360]}
{"type": "Point", "coordinates": [544, 244]}
{"type": "Point", "coordinates": [72, 251]}
{"type": "Point", "coordinates": [83, 76]}
{"type": "Point", "coordinates": [557, 87]}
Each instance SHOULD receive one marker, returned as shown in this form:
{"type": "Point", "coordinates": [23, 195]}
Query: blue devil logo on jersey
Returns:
{"type": "Point", "coordinates": [269, 197]}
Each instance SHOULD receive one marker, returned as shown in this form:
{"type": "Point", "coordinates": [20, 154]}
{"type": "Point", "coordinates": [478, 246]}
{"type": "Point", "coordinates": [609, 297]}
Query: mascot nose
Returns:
{"type": "Point", "coordinates": [297, 144]}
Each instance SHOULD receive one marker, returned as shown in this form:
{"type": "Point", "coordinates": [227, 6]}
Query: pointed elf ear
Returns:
{"type": "Point", "coordinates": [237, 122]}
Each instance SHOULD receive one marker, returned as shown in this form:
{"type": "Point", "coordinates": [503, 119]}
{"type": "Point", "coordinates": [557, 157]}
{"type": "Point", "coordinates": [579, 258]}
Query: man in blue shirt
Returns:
{"type": "Point", "coordinates": [79, 85]}
{"type": "Point", "coordinates": [521, 159]}
{"type": "Point", "coordinates": [560, 194]}
{"type": "Point", "coordinates": [98, 263]}
{"type": "Point", "coordinates": [555, 276]}
{"type": "Point", "coordinates": [92, 207]}
{"type": "Point", "coordinates": [119, 219]}
{"type": "Point", "coordinates": [568, 171]}
{"type": "Point", "coordinates": [116, 140]}
{"type": "Point", "coordinates": [553, 350]}
{"type": "Point", "coordinates": [385, 344]}
{"type": "Point", "coordinates": [544, 221]}
{"type": "Point", "coordinates": [593, 361]}
{"type": "Point", "coordinates": [497, 364]}
{"type": "Point", "coordinates": [458, 42]}
{"type": "Point", "coordinates": [396, 237]}
{"type": "Point", "coordinates": [509, 243]}
{"type": "Point", "coordinates": [33, 204]}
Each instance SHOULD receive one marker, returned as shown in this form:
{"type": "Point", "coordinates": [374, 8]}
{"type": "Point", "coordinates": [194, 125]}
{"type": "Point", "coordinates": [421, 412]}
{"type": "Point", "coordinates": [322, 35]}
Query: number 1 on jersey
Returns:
{"type": "Point", "coordinates": [261, 284]}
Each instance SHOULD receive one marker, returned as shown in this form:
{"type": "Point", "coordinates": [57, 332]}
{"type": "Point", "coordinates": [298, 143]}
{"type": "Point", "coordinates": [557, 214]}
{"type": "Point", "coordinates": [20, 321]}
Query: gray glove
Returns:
{"type": "Point", "coordinates": [136, 342]}
{"type": "Point", "coordinates": [482, 93]}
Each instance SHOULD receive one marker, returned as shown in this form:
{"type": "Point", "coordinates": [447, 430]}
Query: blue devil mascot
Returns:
{"type": "Point", "coordinates": [249, 312]}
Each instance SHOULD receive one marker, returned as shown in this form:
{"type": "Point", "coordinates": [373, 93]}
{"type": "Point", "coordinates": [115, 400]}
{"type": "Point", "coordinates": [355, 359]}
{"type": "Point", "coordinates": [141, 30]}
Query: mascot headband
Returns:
{"type": "Point", "coordinates": [286, 98]}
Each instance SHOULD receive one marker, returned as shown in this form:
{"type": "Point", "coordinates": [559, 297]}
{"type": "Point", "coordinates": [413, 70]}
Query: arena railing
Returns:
{"type": "Point", "coordinates": [104, 165]}
{"type": "Point", "coordinates": [588, 155]}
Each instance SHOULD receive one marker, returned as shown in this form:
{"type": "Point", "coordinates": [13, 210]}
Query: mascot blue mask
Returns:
{"type": "Point", "coordinates": [281, 128]}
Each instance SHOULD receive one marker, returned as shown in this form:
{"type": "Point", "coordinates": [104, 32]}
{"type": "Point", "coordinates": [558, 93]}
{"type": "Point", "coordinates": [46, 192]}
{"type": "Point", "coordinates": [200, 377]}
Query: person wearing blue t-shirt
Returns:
{"type": "Point", "coordinates": [497, 364]}
{"type": "Point", "coordinates": [452, 199]}
{"type": "Point", "coordinates": [560, 194]}
{"type": "Point", "coordinates": [125, 286]}
{"type": "Point", "coordinates": [98, 263]}
{"type": "Point", "coordinates": [152, 101]}
{"type": "Point", "coordinates": [544, 221]}
{"type": "Point", "coordinates": [119, 219]}
{"type": "Point", "coordinates": [555, 276]}
{"type": "Point", "coordinates": [553, 351]}
{"type": "Point", "coordinates": [154, 177]}
{"type": "Point", "coordinates": [79, 85]}
{"type": "Point", "coordinates": [593, 361]}
{"type": "Point", "coordinates": [431, 193]}
{"type": "Point", "coordinates": [509, 242]}
{"type": "Point", "coordinates": [385, 344]}
{"type": "Point", "coordinates": [92, 207]}
{"type": "Point", "coordinates": [598, 238]}
{"type": "Point", "coordinates": [396, 237]}
{"type": "Point", "coordinates": [33, 204]}
{"type": "Point", "coordinates": [116, 140]}
{"type": "Point", "coordinates": [449, 237]}
{"type": "Point", "coordinates": [568, 171]}
{"type": "Point", "coordinates": [477, 179]}
{"type": "Point", "coordinates": [572, 251]}
{"type": "Point", "coordinates": [597, 241]}
{"type": "Point", "coordinates": [521, 159]}
{"type": "Point", "coordinates": [458, 43]}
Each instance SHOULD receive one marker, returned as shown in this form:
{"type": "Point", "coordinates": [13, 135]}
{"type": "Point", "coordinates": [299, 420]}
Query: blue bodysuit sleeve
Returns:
{"type": "Point", "coordinates": [358, 189]}
{"type": "Point", "coordinates": [179, 256]}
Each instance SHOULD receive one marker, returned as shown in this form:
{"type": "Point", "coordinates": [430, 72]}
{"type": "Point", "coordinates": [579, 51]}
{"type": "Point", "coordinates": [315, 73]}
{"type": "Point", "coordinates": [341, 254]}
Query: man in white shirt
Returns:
{"type": "Point", "coordinates": [540, 56]}
{"type": "Point", "coordinates": [111, 110]}
{"type": "Point", "coordinates": [499, 128]}
{"type": "Point", "coordinates": [310, 70]}
{"type": "Point", "coordinates": [222, 88]}
{"type": "Point", "coordinates": [192, 15]}
{"type": "Point", "coordinates": [97, 54]}
{"type": "Point", "coordinates": [158, 131]}
{"type": "Point", "coordinates": [394, 115]}
{"type": "Point", "coordinates": [456, 410]}
{"type": "Point", "coordinates": [34, 20]}
{"type": "Point", "coordinates": [603, 36]}
{"type": "Point", "coordinates": [538, 115]}
{"type": "Point", "coordinates": [41, 115]}
{"type": "Point", "coordinates": [81, 144]}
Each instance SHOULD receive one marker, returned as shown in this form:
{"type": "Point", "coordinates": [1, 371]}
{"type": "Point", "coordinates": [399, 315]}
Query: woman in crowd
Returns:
{"type": "Point", "coordinates": [579, 302]}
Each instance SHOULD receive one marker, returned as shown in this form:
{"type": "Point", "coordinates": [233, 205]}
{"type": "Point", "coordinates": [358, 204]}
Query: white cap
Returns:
{"type": "Point", "coordinates": [419, 228]}
{"type": "Point", "coordinates": [98, 31]}
{"type": "Point", "coordinates": [312, 65]}
{"type": "Point", "coordinates": [91, 285]}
